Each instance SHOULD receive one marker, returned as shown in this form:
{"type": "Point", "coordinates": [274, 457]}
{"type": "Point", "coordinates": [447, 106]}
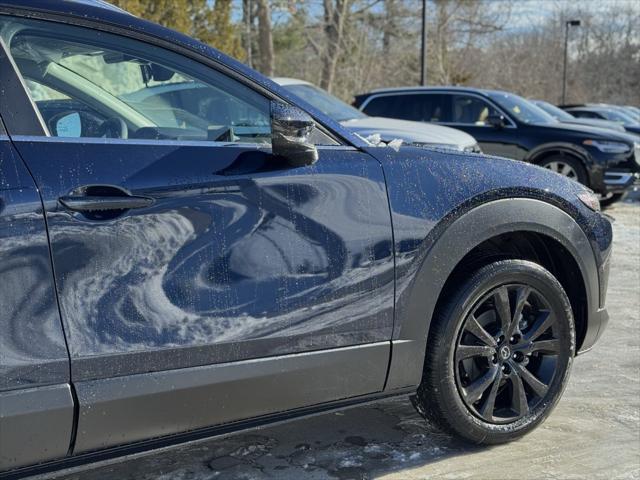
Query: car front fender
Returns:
{"type": "Point", "coordinates": [419, 291]}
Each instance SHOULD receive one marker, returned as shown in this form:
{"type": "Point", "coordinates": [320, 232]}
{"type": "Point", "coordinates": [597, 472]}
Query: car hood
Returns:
{"type": "Point", "coordinates": [589, 131]}
{"type": "Point", "coordinates": [594, 122]}
{"type": "Point", "coordinates": [410, 132]}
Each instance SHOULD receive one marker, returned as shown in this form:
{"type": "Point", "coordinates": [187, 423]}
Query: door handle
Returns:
{"type": "Point", "coordinates": [97, 203]}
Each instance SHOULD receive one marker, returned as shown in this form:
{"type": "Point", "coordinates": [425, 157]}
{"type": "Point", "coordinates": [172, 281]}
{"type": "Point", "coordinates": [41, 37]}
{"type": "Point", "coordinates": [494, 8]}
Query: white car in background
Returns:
{"type": "Point", "coordinates": [412, 133]}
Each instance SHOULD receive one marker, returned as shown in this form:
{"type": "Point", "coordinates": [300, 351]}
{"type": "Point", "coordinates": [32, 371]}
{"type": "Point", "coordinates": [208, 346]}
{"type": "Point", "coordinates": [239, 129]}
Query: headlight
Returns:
{"type": "Point", "coordinates": [606, 146]}
{"type": "Point", "coordinates": [636, 152]}
{"type": "Point", "coordinates": [590, 199]}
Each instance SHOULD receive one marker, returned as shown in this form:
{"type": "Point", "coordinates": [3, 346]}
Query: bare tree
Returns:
{"type": "Point", "coordinates": [265, 38]}
{"type": "Point", "coordinates": [247, 22]}
{"type": "Point", "coordinates": [335, 15]}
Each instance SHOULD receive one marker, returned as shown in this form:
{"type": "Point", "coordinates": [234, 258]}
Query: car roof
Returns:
{"type": "Point", "coordinates": [285, 81]}
{"type": "Point", "coordinates": [71, 7]}
{"type": "Point", "coordinates": [99, 4]}
{"type": "Point", "coordinates": [593, 108]}
{"type": "Point", "coordinates": [417, 89]}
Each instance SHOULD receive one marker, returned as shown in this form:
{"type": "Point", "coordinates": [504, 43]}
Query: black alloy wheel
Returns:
{"type": "Point", "coordinates": [499, 353]}
{"type": "Point", "coordinates": [507, 353]}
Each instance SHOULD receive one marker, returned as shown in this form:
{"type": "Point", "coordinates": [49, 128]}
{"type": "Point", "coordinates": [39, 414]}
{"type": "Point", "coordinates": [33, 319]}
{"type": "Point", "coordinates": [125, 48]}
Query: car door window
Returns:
{"type": "Point", "coordinates": [114, 88]}
{"type": "Point", "coordinates": [583, 114]}
{"type": "Point", "coordinates": [470, 110]}
{"type": "Point", "coordinates": [415, 107]}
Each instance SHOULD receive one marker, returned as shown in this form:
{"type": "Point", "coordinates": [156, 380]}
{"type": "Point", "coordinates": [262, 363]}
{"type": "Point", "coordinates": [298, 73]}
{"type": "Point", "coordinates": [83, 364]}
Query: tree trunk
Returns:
{"type": "Point", "coordinates": [334, 20]}
{"type": "Point", "coordinates": [247, 21]}
{"type": "Point", "coordinates": [265, 38]}
{"type": "Point", "coordinates": [390, 27]}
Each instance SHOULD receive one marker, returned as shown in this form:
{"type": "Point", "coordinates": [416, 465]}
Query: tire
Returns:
{"type": "Point", "coordinates": [611, 199]}
{"type": "Point", "coordinates": [450, 384]}
{"type": "Point", "coordinates": [567, 166]}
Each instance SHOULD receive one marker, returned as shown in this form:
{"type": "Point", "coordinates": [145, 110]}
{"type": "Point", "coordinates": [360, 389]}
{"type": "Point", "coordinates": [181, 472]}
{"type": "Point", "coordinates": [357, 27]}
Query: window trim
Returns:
{"type": "Point", "coordinates": [161, 142]}
{"type": "Point", "coordinates": [20, 114]}
{"type": "Point", "coordinates": [507, 117]}
{"type": "Point", "coordinates": [203, 59]}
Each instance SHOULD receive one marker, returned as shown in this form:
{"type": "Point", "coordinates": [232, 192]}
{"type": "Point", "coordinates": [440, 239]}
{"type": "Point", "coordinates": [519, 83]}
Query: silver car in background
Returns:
{"type": "Point", "coordinates": [412, 133]}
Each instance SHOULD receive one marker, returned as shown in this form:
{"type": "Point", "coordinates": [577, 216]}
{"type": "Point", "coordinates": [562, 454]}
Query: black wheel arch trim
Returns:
{"type": "Point", "coordinates": [561, 148]}
{"type": "Point", "coordinates": [416, 304]}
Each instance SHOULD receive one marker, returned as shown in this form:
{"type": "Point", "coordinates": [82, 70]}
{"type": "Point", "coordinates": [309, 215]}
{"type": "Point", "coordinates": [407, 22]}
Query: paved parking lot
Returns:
{"type": "Point", "coordinates": [593, 433]}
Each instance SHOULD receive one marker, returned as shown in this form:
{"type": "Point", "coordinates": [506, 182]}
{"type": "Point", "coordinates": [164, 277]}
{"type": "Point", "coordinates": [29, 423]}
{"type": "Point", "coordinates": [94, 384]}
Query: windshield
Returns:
{"type": "Point", "coordinates": [617, 116]}
{"type": "Point", "coordinates": [633, 109]}
{"type": "Point", "coordinates": [554, 111]}
{"type": "Point", "coordinates": [523, 110]}
{"type": "Point", "coordinates": [631, 112]}
{"type": "Point", "coordinates": [325, 102]}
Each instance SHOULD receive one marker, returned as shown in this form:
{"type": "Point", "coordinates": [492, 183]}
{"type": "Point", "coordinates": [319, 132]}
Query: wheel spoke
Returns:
{"type": "Point", "coordinates": [542, 323]}
{"type": "Point", "coordinates": [536, 385]}
{"type": "Point", "coordinates": [503, 308]}
{"type": "Point", "coordinates": [567, 170]}
{"type": "Point", "coordinates": [519, 401]}
{"type": "Point", "coordinates": [469, 351]}
{"type": "Point", "coordinates": [551, 347]}
{"type": "Point", "coordinates": [473, 327]}
{"type": "Point", "coordinates": [521, 298]}
{"type": "Point", "coordinates": [554, 167]}
{"type": "Point", "coordinates": [474, 391]}
{"type": "Point", "coordinates": [490, 402]}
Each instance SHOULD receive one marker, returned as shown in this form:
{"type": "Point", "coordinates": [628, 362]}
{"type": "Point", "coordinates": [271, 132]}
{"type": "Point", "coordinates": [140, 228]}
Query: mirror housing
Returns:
{"type": "Point", "coordinates": [496, 121]}
{"type": "Point", "coordinates": [291, 128]}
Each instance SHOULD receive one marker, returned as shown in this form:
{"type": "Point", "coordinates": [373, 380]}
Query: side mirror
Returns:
{"type": "Point", "coordinates": [496, 121]}
{"type": "Point", "coordinates": [291, 128]}
{"type": "Point", "coordinates": [68, 124]}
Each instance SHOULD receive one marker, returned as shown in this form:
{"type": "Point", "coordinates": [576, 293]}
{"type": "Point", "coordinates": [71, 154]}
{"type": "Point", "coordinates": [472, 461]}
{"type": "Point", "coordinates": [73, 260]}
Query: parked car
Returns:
{"type": "Point", "coordinates": [166, 278]}
{"type": "Point", "coordinates": [508, 125]}
{"type": "Point", "coordinates": [565, 117]}
{"type": "Point", "coordinates": [605, 112]}
{"type": "Point", "coordinates": [412, 133]}
{"type": "Point", "coordinates": [193, 100]}
{"type": "Point", "coordinates": [633, 109]}
{"type": "Point", "coordinates": [626, 109]}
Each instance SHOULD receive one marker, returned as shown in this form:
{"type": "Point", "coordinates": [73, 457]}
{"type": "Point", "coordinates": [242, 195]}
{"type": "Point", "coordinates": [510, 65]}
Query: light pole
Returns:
{"type": "Point", "coordinates": [567, 24]}
{"type": "Point", "coordinates": [423, 56]}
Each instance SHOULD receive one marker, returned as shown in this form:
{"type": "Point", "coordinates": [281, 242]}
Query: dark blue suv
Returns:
{"type": "Point", "coordinates": [173, 271]}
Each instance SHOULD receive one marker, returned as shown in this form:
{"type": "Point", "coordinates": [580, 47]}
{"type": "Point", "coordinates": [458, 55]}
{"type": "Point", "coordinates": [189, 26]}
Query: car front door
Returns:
{"type": "Point", "coordinates": [200, 279]}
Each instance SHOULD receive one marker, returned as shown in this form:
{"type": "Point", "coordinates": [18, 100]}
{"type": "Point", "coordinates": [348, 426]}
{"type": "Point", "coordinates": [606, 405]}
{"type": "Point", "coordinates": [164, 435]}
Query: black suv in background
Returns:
{"type": "Point", "coordinates": [507, 125]}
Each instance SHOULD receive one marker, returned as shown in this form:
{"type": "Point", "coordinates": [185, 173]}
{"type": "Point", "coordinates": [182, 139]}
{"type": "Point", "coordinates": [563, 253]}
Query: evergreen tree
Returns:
{"type": "Point", "coordinates": [208, 22]}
